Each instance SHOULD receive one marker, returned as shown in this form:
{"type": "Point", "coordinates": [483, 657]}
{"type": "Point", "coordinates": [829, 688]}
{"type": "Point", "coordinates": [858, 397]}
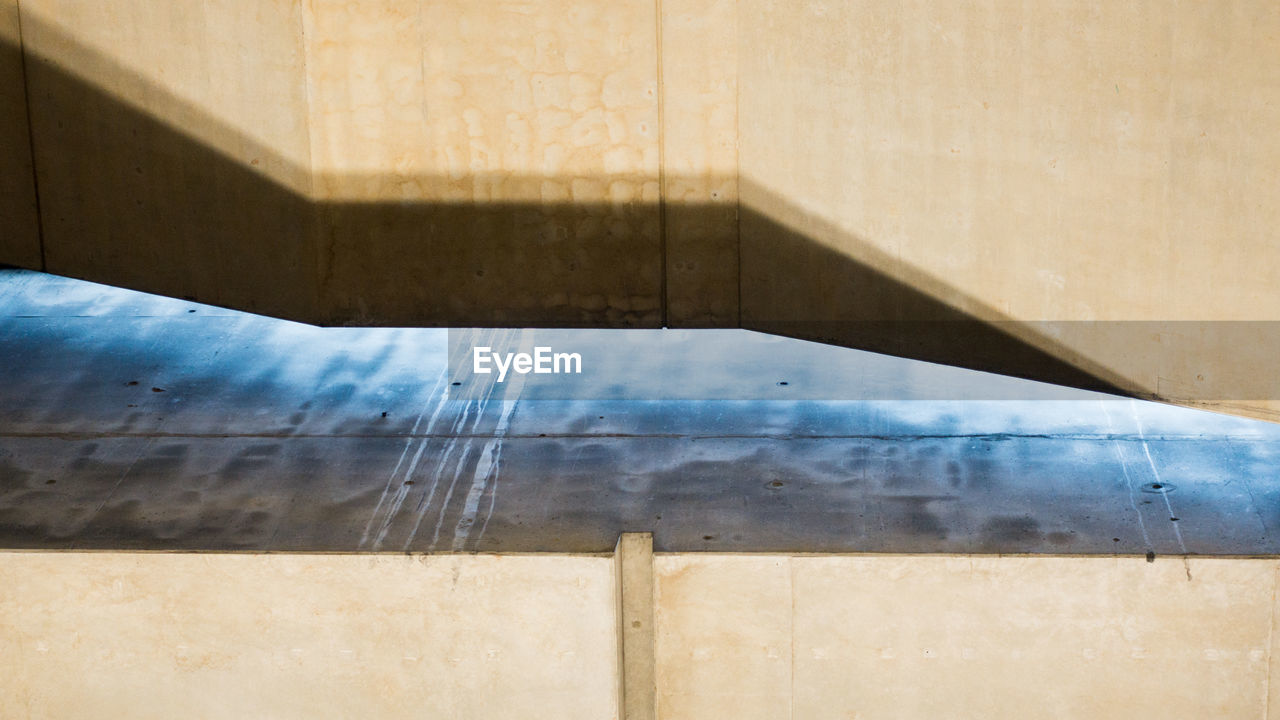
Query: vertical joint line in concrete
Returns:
{"type": "Point", "coordinates": [737, 148]}
{"type": "Point", "coordinates": [1271, 644]}
{"type": "Point", "coordinates": [637, 682]}
{"type": "Point", "coordinates": [304, 51]}
{"type": "Point", "coordinates": [660, 91]}
{"type": "Point", "coordinates": [791, 649]}
{"type": "Point", "coordinates": [31, 136]}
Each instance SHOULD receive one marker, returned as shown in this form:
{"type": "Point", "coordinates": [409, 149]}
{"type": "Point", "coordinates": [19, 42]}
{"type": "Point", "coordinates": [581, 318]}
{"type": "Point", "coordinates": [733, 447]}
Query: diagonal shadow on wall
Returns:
{"type": "Point", "coordinates": [131, 200]}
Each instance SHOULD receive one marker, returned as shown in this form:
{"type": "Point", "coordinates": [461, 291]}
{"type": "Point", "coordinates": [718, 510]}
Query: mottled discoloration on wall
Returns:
{"type": "Point", "coordinates": [487, 164]}
{"type": "Point", "coordinates": [19, 224]}
{"type": "Point", "coordinates": [700, 161]}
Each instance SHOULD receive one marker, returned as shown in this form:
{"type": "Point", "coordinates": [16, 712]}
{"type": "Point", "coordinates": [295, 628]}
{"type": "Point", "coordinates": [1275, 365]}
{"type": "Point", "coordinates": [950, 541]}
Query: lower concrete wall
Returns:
{"type": "Point", "coordinates": [962, 637]}
{"type": "Point", "coordinates": [108, 635]}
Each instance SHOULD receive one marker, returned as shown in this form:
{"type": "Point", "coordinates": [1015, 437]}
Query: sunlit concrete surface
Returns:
{"type": "Point", "coordinates": [1081, 192]}
{"type": "Point", "coordinates": [216, 514]}
{"type": "Point", "coordinates": [837, 637]}
{"type": "Point", "coordinates": [233, 635]}
{"type": "Point", "coordinates": [134, 421]}
{"type": "Point", "coordinates": [163, 635]}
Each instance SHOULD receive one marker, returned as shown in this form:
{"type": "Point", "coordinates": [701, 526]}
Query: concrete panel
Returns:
{"type": "Point", "coordinates": [509, 153]}
{"type": "Point", "coordinates": [699, 90]}
{"type": "Point", "coordinates": [1018, 637]}
{"type": "Point", "coordinates": [172, 149]}
{"type": "Point", "coordinates": [460, 636]}
{"type": "Point", "coordinates": [19, 224]}
{"type": "Point", "coordinates": [723, 636]}
{"type": "Point", "coordinates": [994, 637]}
{"type": "Point", "coordinates": [235, 636]}
{"type": "Point", "coordinates": [1078, 161]}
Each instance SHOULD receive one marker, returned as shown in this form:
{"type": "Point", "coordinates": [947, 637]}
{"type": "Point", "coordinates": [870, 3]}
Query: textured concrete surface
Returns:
{"type": "Point", "coordinates": [964, 637]}
{"type": "Point", "coordinates": [19, 220]}
{"type": "Point", "coordinates": [1082, 163]}
{"type": "Point", "coordinates": [171, 148]}
{"type": "Point", "coordinates": [729, 655]}
{"type": "Point", "coordinates": [866, 174]}
{"type": "Point", "coordinates": [698, 88]}
{"type": "Point", "coordinates": [154, 635]}
{"type": "Point", "coordinates": [515, 147]}
{"type": "Point", "coordinates": [135, 421]}
{"type": "Point", "coordinates": [105, 635]}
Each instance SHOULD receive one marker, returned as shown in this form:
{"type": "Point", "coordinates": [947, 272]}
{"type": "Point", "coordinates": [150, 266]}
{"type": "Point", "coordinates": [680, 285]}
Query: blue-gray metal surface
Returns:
{"type": "Point", "coordinates": [130, 421]}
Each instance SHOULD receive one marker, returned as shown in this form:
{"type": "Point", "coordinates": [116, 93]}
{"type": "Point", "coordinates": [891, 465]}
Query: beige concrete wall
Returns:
{"type": "Point", "coordinates": [1064, 172]}
{"type": "Point", "coordinates": [395, 162]}
{"type": "Point", "coordinates": [104, 635]}
{"type": "Point", "coordinates": [699, 92]}
{"type": "Point", "coordinates": [1019, 162]}
{"type": "Point", "coordinates": [171, 147]}
{"type": "Point", "coordinates": [963, 637]}
{"type": "Point", "coordinates": [508, 152]}
{"type": "Point", "coordinates": [19, 224]}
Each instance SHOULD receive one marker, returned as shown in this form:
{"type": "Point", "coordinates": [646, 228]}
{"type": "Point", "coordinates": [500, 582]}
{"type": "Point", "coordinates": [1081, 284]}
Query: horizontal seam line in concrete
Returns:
{"type": "Point", "coordinates": [601, 554]}
{"type": "Point", "coordinates": [608, 554]}
{"type": "Point", "coordinates": [92, 435]}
